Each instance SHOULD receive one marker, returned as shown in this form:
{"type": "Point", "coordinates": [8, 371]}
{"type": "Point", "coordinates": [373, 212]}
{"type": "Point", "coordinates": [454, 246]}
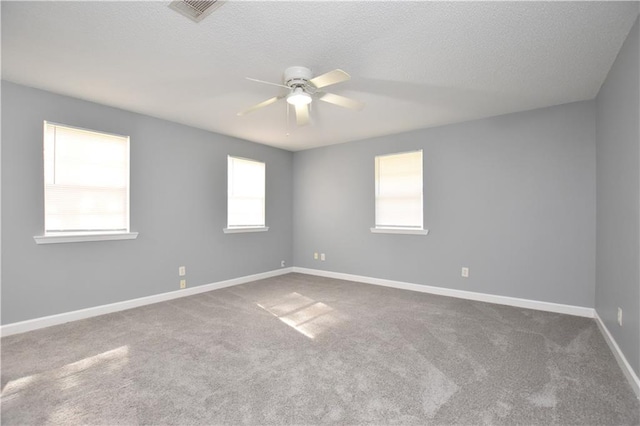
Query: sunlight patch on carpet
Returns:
{"type": "Point", "coordinates": [70, 375]}
{"type": "Point", "coordinates": [302, 313]}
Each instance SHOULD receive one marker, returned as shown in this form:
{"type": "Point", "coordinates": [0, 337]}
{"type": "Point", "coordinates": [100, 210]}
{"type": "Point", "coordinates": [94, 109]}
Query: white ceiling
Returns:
{"type": "Point", "coordinates": [414, 64]}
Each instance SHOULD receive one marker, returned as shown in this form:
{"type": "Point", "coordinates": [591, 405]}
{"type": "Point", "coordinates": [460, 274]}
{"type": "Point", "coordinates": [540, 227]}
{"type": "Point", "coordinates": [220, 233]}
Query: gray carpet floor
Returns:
{"type": "Point", "coordinates": [298, 349]}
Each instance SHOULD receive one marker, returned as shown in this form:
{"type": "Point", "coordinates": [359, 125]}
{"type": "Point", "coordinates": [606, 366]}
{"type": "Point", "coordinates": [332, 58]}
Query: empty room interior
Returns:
{"type": "Point", "coordinates": [320, 212]}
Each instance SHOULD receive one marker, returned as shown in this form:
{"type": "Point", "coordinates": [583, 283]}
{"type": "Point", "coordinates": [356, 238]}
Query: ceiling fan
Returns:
{"type": "Point", "coordinates": [302, 89]}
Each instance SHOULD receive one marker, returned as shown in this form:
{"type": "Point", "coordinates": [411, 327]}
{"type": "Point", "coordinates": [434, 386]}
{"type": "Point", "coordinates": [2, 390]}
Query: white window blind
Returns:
{"type": "Point", "coordinates": [246, 193]}
{"type": "Point", "coordinates": [399, 190]}
{"type": "Point", "coordinates": [86, 181]}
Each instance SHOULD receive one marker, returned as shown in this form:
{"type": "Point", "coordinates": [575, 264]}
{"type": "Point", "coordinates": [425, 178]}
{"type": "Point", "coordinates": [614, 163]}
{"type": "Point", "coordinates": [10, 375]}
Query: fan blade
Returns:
{"type": "Point", "coordinates": [260, 105]}
{"type": "Point", "coordinates": [302, 115]}
{"type": "Point", "coordinates": [267, 82]}
{"type": "Point", "coordinates": [341, 101]}
{"type": "Point", "coordinates": [327, 79]}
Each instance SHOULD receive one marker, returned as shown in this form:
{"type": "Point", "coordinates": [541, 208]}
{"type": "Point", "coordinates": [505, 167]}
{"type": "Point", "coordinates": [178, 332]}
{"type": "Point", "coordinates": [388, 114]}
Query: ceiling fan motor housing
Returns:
{"type": "Point", "coordinates": [296, 76]}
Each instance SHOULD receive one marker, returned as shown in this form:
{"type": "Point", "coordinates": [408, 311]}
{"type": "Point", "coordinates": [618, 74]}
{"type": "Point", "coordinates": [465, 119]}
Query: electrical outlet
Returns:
{"type": "Point", "coordinates": [465, 272]}
{"type": "Point", "coordinates": [315, 256]}
{"type": "Point", "coordinates": [183, 283]}
{"type": "Point", "coordinates": [322, 257]}
{"type": "Point", "coordinates": [182, 271]}
{"type": "Point", "coordinates": [282, 263]}
{"type": "Point", "coordinates": [620, 317]}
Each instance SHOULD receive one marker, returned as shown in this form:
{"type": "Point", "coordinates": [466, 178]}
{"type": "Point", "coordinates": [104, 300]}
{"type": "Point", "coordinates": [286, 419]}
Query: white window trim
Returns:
{"type": "Point", "coordinates": [250, 228]}
{"type": "Point", "coordinates": [239, 230]}
{"type": "Point", "coordinates": [79, 238]}
{"type": "Point", "coordinates": [411, 231]}
{"type": "Point", "coordinates": [398, 229]}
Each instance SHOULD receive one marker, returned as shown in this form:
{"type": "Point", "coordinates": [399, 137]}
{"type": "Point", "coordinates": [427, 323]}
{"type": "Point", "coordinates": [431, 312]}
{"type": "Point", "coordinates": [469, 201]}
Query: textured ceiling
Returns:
{"type": "Point", "coordinates": [414, 64]}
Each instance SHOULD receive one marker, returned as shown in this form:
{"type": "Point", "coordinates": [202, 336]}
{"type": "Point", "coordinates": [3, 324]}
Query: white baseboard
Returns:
{"type": "Point", "coordinates": [34, 324]}
{"type": "Point", "coordinates": [631, 376]}
{"type": "Point", "coordinates": [461, 294]}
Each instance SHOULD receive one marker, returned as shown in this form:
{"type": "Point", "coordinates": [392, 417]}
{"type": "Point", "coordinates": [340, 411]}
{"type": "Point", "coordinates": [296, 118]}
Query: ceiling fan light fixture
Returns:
{"type": "Point", "coordinates": [298, 97]}
{"type": "Point", "coordinates": [302, 90]}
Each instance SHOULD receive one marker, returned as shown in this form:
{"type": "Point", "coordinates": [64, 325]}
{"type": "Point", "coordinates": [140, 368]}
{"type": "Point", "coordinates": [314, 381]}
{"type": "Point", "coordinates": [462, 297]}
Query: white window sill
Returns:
{"type": "Point", "coordinates": [247, 229]}
{"type": "Point", "coordinates": [411, 231]}
{"type": "Point", "coordinates": [79, 238]}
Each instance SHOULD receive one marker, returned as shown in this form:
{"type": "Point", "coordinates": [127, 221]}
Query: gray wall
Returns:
{"type": "Point", "coordinates": [178, 205]}
{"type": "Point", "coordinates": [618, 199]}
{"type": "Point", "coordinates": [511, 197]}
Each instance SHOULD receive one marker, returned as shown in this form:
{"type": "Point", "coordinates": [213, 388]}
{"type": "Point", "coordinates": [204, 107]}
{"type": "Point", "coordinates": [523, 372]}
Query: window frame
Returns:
{"type": "Point", "coordinates": [82, 236]}
{"type": "Point", "coordinates": [407, 230]}
{"type": "Point", "coordinates": [235, 229]}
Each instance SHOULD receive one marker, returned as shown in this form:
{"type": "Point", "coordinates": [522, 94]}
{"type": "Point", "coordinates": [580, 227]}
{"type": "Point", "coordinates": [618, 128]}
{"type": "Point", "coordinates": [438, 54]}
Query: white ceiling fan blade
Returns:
{"type": "Point", "coordinates": [327, 79]}
{"type": "Point", "coordinates": [302, 115]}
{"type": "Point", "coordinates": [341, 101]}
{"type": "Point", "coordinates": [260, 105]}
{"type": "Point", "coordinates": [267, 82]}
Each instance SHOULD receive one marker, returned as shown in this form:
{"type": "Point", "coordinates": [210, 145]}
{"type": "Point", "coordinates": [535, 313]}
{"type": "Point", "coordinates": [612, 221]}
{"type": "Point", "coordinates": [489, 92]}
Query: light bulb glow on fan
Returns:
{"type": "Point", "coordinates": [299, 97]}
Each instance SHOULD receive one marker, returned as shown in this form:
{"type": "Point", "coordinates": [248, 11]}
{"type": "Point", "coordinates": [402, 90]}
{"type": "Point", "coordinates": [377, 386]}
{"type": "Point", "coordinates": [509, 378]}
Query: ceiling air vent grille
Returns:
{"type": "Point", "coordinates": [195, 10]}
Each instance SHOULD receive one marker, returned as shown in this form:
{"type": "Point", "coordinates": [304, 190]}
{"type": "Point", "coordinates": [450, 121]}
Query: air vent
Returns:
{"type": "Point", "coordinates": [195, 10]}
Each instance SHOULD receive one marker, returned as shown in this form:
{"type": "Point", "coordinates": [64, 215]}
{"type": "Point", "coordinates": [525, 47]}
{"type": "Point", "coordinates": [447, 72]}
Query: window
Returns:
{"type": "Point", "coordinates": [398, 192]}
{"type": "Point", "coordinates": [245, 195]}
{"type": "Point", "coordinates": [86, 185]}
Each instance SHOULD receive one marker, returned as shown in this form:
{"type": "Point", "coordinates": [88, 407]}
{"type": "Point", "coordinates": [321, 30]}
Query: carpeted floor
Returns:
{"type": "Point", "coordinates": [298, 349]}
